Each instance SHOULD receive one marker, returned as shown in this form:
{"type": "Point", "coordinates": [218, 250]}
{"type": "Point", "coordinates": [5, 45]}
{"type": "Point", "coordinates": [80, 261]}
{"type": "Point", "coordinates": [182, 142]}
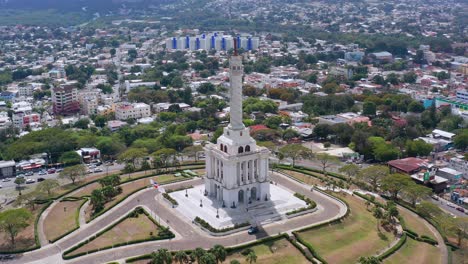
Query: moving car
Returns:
{"type": "Point", "coordinates": [40, 179]}
{"type": "Point", "coordinates": [460, 209]}
{"type": "Point", "coordinates": [252, 230]}
{"type": "Point", "coordinates": [97, 170]}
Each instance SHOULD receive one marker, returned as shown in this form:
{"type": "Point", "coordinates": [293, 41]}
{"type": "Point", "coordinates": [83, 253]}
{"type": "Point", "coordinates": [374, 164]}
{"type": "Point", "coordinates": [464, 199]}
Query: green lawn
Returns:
{"type": "Point", "coordinates": [61, 219]}
{"type": "Point", "coordinates": [130, 229]}
{"type": "Point", "coordinates": [416, 224]}
{"type": "Point", "coordinates": [415, 252]}
{"type": "Point", "coordinates": [356, 236]}
{"type": "Point", "coordinates": [274, 252]}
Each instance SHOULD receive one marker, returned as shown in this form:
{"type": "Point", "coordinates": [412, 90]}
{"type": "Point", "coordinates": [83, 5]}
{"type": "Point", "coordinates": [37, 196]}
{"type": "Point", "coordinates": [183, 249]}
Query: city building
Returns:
{"type": "Point", "coordinates": [23, 115]}
{"type": "Point", "coordinates": [7, 169]}
{"type": "Point", "coordinates": [126, 111]}
{"type": "Point", "coordinates": [212, 41]}
{"type": "Point", "coordinates": [65, 100]}
{"type": "Point", "coordinates": [236, 168]}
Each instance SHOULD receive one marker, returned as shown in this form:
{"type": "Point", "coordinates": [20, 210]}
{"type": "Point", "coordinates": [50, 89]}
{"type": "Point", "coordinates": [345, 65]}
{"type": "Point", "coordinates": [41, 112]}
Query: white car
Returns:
{"type": "Point", "coordinates": [29, 181]}
{"type": "Point", "coordinates": [450, 205]}
{"type": "Point", "coordinates": [97, 170]}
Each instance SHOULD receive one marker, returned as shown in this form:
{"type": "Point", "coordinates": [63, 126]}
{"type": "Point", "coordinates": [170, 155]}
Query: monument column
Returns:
{"type": "Point", "coordinates": [236, 93]}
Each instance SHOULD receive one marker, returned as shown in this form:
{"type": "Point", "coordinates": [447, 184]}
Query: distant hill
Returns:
{"type": "Point", "coordinates": [66, 5]}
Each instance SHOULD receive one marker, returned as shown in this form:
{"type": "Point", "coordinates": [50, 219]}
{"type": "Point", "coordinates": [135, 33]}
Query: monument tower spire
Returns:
{"type": "Point", "coordinates": [236, 70]}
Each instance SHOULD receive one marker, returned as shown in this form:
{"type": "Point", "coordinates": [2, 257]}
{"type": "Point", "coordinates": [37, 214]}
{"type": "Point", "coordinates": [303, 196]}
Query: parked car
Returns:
{"type": "Point", "coordinates": [40, 179]}
{"type": "Point", "coordinates": [98, 170]}
{"type": "Point", "coordinates": [29, 181]}
{"type": "Point", "coordinates": [50, 171]}
{"type": "Point", "coordinates": [449, 204]}
{"type": "Point", "coordinates": [1, 186]}
{"type": "Point", "coordinates": [42, 172]}
{"type": "Point", "coordinates": [6, 180]}
{"type": "Point", "coordinates": [29, 173]}
{"type": "Point", "coordinates": [460, 209]}
{"type": "Point", "coordinates": [20, 176]}
{"type": "Point", "coordinates": [59, 170]}
{"type": "Point", "coordinates": [252, 230]}
{"type": "Point", "coordinates": [435, 197]}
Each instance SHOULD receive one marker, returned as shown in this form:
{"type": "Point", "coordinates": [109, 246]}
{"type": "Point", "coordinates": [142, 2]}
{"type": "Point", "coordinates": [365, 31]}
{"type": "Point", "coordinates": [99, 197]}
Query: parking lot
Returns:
{"type": "Point", "coordinates": [33, 179]}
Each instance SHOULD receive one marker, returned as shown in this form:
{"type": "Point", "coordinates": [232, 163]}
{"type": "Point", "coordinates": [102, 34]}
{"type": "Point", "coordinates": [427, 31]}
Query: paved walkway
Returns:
{"type": "Point", "coordinates": [188, 236]}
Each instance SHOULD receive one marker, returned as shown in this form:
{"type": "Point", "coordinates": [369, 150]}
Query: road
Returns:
{"type": "Point", "coordinates": [442, 203]}
{"type": "Point", "coordinates": [188, 236]}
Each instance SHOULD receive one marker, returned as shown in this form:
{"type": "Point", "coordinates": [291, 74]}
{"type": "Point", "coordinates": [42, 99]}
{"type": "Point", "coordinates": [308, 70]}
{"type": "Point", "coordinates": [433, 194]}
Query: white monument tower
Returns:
{"type": "Point", "coordinates": [236, 168]}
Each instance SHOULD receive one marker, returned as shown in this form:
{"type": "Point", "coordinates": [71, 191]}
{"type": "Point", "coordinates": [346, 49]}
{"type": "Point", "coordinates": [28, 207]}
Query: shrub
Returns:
{"type": "Point", "coordinates": [170, 199]}
{"type": "Point", "coordinates": [207, 226]}
{"type": "Point", "coordinates": [393, 249]}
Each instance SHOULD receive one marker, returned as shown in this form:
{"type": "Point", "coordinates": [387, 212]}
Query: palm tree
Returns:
{"type": "Point", "coordinates": [219, 252]}
{"type": "Point", "coordinates": [198, 253]}
{"type": "Point", "coordinates": [162, 256]}
{"type": "Point", "coordinates": [208, 258]}
{"type": "Point", "coordinates": [251, 257]}
{"type": "Point", "coordinates": [181, 257]}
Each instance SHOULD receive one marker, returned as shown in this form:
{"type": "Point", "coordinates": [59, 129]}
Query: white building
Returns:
{"type": "Point", "coordinates": [236, 168]}
{"type": "Point", "coordinates": [212, 41]}
{"type": "Point", "coordinates": [136, 111]}
{"type": "Point", "coordinates": [24, 116]}
{"type": "Point", "coordinates": [5, 121]}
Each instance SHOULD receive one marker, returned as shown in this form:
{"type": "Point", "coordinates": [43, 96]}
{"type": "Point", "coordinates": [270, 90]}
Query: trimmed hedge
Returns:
{"type": "Point", "coordinates": [207, 225]}
{"type": "Point", "coordinates": [315, 171]}
{"type": "Point", "coordinates": [435, 225]}
{"type": "Point", "coordinates": [125, 197]}
{"type": "Point", "coordinates": [309, 247]}
{"type": "Point", "coordinates": [393, 249]}
{"type": "Point", "coordinates": [367, 198]}
{"type": "Point", "coordinates": [302, 250]}
{"type": "Point", "coordinates": [170, 199]}
{"type": "Point", "coordinates": [179, 189]}
{"type": "Point", "coordinates": [310, 204]}
{"type": "Point", "coordinates": [167, 234]}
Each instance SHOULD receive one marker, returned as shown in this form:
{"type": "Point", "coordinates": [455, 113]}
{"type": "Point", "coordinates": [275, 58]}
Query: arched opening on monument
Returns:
{"type": "Point", "coordinates": [225, 149]}
{"type": "Point", "coordinates": [241, 196]}
{"type": "Point", "coordinates": [247, 148]}
{"type": "Point", "coordinates": [253, 194]}
{"type": "Point", "coordinates": [221, 147]}
{"type": "Point", "coordinates": [240, 150]}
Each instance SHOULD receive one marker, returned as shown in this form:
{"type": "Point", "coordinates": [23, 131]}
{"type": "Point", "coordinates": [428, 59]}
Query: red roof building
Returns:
{"type": "Point", "coordinates": [406, 165]}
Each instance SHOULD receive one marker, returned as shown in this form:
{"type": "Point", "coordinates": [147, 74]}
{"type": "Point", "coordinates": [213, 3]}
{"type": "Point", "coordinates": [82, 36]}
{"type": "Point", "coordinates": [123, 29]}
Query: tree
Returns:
{"type": "Point", "coordinates": [395, 183]}
{"type": "Point", "coordinates": [410, 77]}
{"type": "Point", "coordinates": [97, 200]}
{"type": "Point", "coordinates": [461, 140]}
{"type": "Point", "coordinates": [163, 157]}
{"type": "Point", "coordinates": [415, 192]}
{"type": "Point", "coordinates": [418, 148]}
{"type": "Point", "coordinates": [198, 253]}
{"type": "Point", "coordinates": [326, 160]}
{"type": "Point", "coordinates": [192, 151]}
{"type": "Point", "coordinates": [70, 158]}
{"type": "Point", "coordinates": [18, 182]}
{"type": "Point", "coordinates": [14, 221]}
{"type": "Point", "coordinates": [460, 228]}
{"type": "Point", "coordinates": [208, 258]}
{"type": "Point", "coordinates": [369, 108]}
{"type": "Point", "coordinates": [322, 130]}
{"type": "Point", "coordinates": [47, 186]}
{"type": "Point", "coordinates": [83, 123]}
{"type": "Point", "coordinates": [351, 170]}
{"type": "Point", "coordinates": [162, 256]}
{"type": "Point", "coordinates": [234, 261]}
{"type": "Point", "coordinates": [374, 174]}
{"type": "Point", "coordinates": [132, 155]}
{"type": "Point", "coordinates": [251, 257]}
{"type": "Point", "coordinates": [273, 122]}
{"type": "Point", "coordinates": [206, 88]}
{"type": "Point", "coordinates": [219, 252]}
{"type": "Point", "coordinates": [181, 257]}
{"type": "Point", "coordinates": [73, 173]}
{"type": "Point", "coordinates": [29, 199]}
{"type": "Point", "coordinates": [369, 260]}
{"type": "Point", "coordinates": [415, 107]}
{"type": "Point", "coordinates": [295, 151]}
{"type": "Point", "coordinates": [428, 210]}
